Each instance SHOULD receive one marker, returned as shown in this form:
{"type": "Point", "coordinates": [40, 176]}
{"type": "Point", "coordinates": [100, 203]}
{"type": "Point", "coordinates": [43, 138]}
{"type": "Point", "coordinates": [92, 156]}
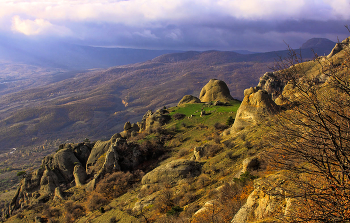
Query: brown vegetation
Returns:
{"type": "Point", "coordinates": [312, 138]}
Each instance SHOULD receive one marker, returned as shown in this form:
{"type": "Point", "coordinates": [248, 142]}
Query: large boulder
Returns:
{"type": "Point", "coordinates": [82, 152]}
{"type": "Point", "coordinates": [215, 90]}
{"type": "Point", "coordinates": [173, 172]}
{"type": "Point", "coordinates": [100, 148]}
{"type": "Point", "coordinates": [255, 107]}
{"type": "Point", "coordinates": [272, 84]}
{"type": "Point", "coordinates": [79, 175]}
{"type": "Point", "coordinates": [64, 161]}
{"type": "Point", "coordinates": [189, 99]}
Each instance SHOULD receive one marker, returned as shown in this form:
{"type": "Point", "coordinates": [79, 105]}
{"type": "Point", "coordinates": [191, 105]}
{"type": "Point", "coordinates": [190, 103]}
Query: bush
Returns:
{"type": "Point", "coordinates": [175, 211]}
{"type": "Point", "coordinates": [230, 121]}
{"type": "Point", "coordinates": [95, 201]}
{"type": "Point", "coordinates": [116, 184]}
{"type": "Point", "coordinates": [211, 150]}
{"type": "Point", "coordinates": [219, 126]}
{"type": "Point", "coordinates": [178, 116]}
{"type": "Point", "coordinates": [203, 180]}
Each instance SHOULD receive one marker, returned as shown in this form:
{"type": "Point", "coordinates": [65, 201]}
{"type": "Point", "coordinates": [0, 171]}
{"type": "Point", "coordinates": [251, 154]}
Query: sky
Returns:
{"type": "Point", "coordinates": [255, 25]}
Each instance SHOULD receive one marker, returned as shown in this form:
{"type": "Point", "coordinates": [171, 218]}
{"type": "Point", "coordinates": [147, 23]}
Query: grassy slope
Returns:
{"type": "Point", "coordinates": [190, 132]}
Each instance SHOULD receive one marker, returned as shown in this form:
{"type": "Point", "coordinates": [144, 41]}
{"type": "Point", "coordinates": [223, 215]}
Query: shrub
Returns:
{"type": "Point", "coordinates": [116, 184]}
{"type": "Point", "coordinates": [164, 201]}
{"type": "Point", "coordinates": [244, 177]}
{"type": "Point", "coordinates": [203, 180]}
{"type": "Point", "coordinates": [21, 173]}
{"type": "Point", "coordinates": [211, 150]}
{"type": "Point", "coordinates": [95, 201]}
{"type": "Point", "coordinates": [175, 211]}
{"type": "Point", "coordinates": [178, 116]}
{"type": "Point", "coordinates": [230, 121]}
{"type": "Point", "coordinates": [220, 127]}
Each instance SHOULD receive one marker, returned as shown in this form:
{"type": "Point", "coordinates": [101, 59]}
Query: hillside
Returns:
{"type": "Point", "coordinates": [55, 106]}
{"type": "Point", "coordinates": [188, 164]}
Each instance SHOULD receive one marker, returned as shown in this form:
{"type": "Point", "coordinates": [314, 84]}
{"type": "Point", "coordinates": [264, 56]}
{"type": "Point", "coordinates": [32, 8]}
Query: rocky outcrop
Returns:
{"type": "Point", "coordinates": [198, 153]}
{"type": "Point", "coordinates": [100, 148]}
{"type": "Point", "coordinates": [64, 161]}
{"type": "Point", "coordinates": [79, 175]}
{"type": "Point", "coordinates": [173, 172]}
{"type": "Point", "coordinates": [154, 120]}
{"type": "Point", "coordinates": [272, 84]}
{"type": "Point", "coordinates": [255, 107]}
{"type": "Point", "coordinates": [49, 181]}
{"type": "Point", "coordinates": [189, 99]}
{"type": "Point", "coordinates": [267, 201]}
{"type": "Point", "coordinates": [215, 90]}
{"type": "Point", "coordinates": [339, 47]}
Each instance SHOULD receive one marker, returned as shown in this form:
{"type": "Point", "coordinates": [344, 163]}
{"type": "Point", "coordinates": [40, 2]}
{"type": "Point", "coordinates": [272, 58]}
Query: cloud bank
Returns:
{"type": "Point", "coordinates": [180, 24]}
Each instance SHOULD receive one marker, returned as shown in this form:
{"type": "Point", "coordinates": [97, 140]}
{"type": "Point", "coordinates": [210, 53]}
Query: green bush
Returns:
{"type": "Point", "coordinates": [230, 121]}
{"type": "Point", "coordinates": [175, 211]}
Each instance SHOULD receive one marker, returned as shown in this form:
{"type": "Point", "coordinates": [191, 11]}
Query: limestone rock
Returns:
{"type": "Point", "coordinates": [339, 47]}
{"type": "Point", "coordinates": [49, 181]}
{"type": "Point", "coordinates": [111, 162]}
{"type": "Point", "coordinates": [198, 153]}
{"type": "Point", "coordinates": [173, 172]}
{"type": "Point", "coordinates": [209, 206]}
{"type": "Point", "coordinates": [153, 120]}
{"type": "Point", "coordinates": [82, 152]}
{"type": "Point", "coordinates": [272, 84]}
{"type": "Point", "coordinates": [58, 194]}
{"type": "Point", "coordinates": [255, 107]}
{"type": "Point", "coordinates": [189, 99]}
{"type": "Point", "coordinates": [267, 200]}
{"type": "Point", "coordinates": [79, 175]}
{"type": "Point", "coordinates": [64, 160]}
{"type": "Point", "coordinates": [100, 148]}
{"type": "Point", "coordinates": [215, 90]}
{"type": "Point", "coordinates": [127, 126]}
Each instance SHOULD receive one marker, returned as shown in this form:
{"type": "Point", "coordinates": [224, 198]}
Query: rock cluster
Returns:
{"type": "Point", "coordinates": [82, 165]}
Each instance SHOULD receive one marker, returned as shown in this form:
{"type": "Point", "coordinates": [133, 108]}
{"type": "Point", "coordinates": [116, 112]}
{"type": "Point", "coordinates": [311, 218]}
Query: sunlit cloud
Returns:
{"type": "Point", "coordinates": [38, 27]}
{"type": "Point", "coordinates": [178, 23]}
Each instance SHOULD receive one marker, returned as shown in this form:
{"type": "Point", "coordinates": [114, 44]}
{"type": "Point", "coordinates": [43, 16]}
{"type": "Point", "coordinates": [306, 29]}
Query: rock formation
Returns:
{"type": "Point", "coordinates": [272, 84]}
{"type": "Point", "coordinates": [268, 200]}
{"type": "Point", "coordinates": [154, 120]}
{"type": "Point", "coordinates": [339, 46]}
{"type": "Point", "coordinates": [198, 153]}
{"type": "Point", "coordinates": [255, 107]}
{"type": "Point", "coordinates": [173, 172]}
{"type": "Point", "coordinates": [215, 90]}
{"type": "Point", "coordinates": [79, 175]}
{"type": "Point", "coordinates": [189, 99]}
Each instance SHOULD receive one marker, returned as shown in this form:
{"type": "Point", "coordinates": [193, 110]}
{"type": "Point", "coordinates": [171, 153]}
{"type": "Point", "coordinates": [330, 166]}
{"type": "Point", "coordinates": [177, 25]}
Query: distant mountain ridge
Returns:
{"type": "Point", "coordinates": [321, 45]}
{"type": "Point", "coordinates": [71, 56]}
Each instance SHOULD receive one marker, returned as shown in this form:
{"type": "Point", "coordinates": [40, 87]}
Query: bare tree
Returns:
{"type": "Point", "coordinates": [311, 137]}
